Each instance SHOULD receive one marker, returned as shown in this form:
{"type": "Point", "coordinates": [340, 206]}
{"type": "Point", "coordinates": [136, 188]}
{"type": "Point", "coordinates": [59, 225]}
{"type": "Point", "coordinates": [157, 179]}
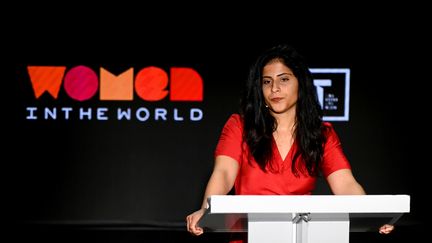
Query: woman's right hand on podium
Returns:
{"type": "Point", "coordinates": [192, 221]}
{"type": "Point", "coordinates": [386, 229]}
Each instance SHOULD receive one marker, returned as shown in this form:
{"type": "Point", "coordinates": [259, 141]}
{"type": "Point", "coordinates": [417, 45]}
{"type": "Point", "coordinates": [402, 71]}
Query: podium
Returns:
{"type": "Point", "coordinates": [302, 219]}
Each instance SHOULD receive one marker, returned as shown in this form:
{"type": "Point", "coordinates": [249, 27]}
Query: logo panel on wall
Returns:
{"type": "Point", "coordinates": [180, 86]}
{"type": "Point", "coordinates": [333, 86]}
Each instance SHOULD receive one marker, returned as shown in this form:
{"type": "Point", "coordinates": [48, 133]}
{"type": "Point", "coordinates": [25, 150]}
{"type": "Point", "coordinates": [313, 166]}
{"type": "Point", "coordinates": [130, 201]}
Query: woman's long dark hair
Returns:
{"type": "Point", "coordinates": [259, 124]}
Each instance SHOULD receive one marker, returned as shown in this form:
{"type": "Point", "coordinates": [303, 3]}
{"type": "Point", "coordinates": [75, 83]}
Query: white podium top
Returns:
{"type": "Point", "coordinates": [365, 212]}
{"type": "Point", "coordinates": [309, 203]}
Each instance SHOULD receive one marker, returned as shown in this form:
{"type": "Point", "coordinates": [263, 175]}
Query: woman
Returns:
{"type": "Point", "coordinates": [278, 145]}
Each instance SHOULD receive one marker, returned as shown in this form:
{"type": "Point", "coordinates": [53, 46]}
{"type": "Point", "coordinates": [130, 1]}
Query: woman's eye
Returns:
{"type": "Point", "coordinates": [284, 79]}
{"type": "Point", "coordinates": [266, 81]}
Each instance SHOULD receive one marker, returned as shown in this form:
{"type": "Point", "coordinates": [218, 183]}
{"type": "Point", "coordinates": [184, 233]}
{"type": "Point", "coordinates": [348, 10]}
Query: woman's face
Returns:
{"type": "Point", "coordinates": [280, 87]}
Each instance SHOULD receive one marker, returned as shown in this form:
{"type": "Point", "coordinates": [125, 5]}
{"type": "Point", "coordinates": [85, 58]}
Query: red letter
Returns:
{"type": "Point", "coordinates": [81, 83]}
{"type": "Point", "coordinates": [150, 84]}
{"type": "Point", "coordinates": [186, 85]}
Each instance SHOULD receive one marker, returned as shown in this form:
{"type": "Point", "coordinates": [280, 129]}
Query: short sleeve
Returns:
{"type": "Point", "coordinates": [334, 158]}
{"type": "Point", "coordinates": [230, 140]}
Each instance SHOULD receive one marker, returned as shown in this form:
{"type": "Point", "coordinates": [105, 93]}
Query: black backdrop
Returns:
{"type": "Point", "coordinates": [155, 172]}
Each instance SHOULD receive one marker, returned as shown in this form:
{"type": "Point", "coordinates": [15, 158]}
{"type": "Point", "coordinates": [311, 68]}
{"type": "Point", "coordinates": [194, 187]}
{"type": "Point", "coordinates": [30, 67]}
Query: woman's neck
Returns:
{"type": "Point", "coordinates": [285, 121]}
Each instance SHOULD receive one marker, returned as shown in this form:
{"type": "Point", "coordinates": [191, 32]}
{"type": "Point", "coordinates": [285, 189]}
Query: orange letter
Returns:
{"type": "Point", "coordinates": [116, 87]}
{"type": "Point", "coordinates": [46, 79]}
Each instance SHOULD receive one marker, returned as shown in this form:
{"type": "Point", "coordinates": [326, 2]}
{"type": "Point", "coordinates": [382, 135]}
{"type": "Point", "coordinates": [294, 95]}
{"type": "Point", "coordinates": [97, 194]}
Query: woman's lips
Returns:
{"type": "Point", "coordinates": [276, 99]}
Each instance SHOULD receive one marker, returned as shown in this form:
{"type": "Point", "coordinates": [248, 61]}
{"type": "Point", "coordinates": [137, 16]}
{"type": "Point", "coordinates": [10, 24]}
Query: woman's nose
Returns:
{"type": "Point", "coordinates": [275, 87]}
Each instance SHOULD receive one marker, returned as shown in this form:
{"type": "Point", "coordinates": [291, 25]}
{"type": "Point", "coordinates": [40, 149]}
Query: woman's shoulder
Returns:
{"type": "Point", "coordinates": [328, 128]}
{"type": "Point", "coordinates": [235, 119]}
{"type": "Point", "coordinates": [327, 125]}
{"type": "Point", "coordinates": [329, 131]}
{"type": "Point", "coordinates": [235, 116]}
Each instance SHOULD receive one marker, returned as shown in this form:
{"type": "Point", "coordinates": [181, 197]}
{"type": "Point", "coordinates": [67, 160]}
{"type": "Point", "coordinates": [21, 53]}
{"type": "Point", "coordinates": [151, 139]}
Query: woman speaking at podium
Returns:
{"type": "Point", "coordinates": [278, 144]}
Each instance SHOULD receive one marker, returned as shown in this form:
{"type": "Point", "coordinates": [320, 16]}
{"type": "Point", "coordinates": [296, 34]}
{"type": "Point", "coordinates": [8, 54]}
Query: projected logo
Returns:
{"type": "Point", "coordinates": [333, 87]}
{"type": "Point", "coordinates": [150, 84]}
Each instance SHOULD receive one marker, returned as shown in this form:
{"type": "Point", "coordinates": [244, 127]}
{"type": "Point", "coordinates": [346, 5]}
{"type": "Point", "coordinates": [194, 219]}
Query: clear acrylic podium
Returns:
{"type": "Point", "coordinates": [302, 219]}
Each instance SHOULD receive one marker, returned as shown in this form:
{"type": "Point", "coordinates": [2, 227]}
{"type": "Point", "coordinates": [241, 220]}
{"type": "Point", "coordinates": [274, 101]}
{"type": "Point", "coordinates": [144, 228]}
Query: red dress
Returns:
{"type": "Point", "coordinates": [278, 180]}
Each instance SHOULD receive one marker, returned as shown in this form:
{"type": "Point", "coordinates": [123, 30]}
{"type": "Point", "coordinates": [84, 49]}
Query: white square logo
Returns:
{"type": "Point", "coordinates": [333, 85]}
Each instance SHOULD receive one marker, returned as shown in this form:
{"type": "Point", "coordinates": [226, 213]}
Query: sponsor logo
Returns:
{"type": "Point", "coordinates": [333, 89]}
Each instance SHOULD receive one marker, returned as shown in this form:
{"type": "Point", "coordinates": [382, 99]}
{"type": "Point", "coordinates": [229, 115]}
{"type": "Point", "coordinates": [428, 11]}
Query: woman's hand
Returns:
{"type": "Point", "coordinates": [386, 229]}
{"type": "Point", "coordinates": [192, 220]}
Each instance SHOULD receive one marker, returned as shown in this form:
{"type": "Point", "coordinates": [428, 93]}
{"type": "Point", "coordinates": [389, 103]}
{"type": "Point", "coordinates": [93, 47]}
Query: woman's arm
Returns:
{"type": "Point", "coordinates": [342, 182]}
{"type": "Point", "coordinates": [220, 183]}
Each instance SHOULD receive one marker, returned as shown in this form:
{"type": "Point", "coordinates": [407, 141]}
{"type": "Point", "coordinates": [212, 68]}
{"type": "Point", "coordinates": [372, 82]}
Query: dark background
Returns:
{"type": "Point", "coordinates": [133, 181]}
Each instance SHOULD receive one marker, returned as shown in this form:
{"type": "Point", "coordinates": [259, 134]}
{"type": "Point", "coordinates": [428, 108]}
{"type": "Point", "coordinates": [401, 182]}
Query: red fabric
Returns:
{"type": "Point", "coordinates": [278, 180]}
